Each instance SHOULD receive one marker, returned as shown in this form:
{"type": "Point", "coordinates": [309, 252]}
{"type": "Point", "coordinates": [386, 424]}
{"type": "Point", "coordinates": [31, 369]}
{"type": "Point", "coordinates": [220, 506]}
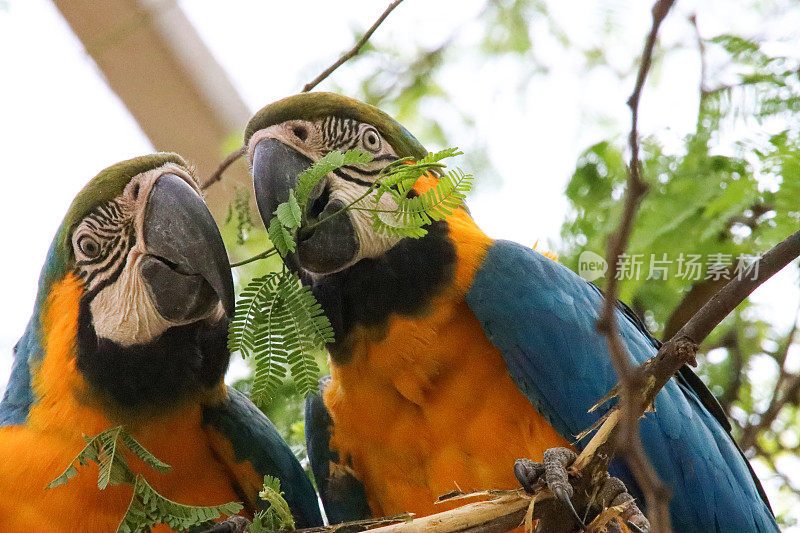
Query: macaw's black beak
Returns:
{"type": "Point", "coordinates": [323, 248]}
{"type": "Point", "coordinates": [186, 264]}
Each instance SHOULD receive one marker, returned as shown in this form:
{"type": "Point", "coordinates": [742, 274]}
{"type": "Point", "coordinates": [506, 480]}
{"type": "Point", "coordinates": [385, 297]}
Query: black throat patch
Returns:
{"type": "Point", "coordinates": [180, 363]}
{"type": "Point", "coordinates": [402, 281]}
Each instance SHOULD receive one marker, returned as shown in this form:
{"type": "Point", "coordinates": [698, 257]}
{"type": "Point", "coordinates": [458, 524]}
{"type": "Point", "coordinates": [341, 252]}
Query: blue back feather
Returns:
{"type": "Point", "coordinates": [19, 395]}
{"type": "Point", "coordinates": [255, 439]}
{"type": "Point", "coordinates": [342, 494]}
{"type": "Point", "coordinates": [542, 316]}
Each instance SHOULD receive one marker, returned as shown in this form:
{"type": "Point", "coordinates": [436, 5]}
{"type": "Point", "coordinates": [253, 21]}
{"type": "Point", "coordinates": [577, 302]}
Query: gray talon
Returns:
{"type": "Point", "coordinates": [552, 471]}
{"type": "Point", "coordinates": [611, 492]}
{"type": "Point", "coordinates": [556, 461]}
{"type": "Point", "coordinates": [232, 524]}
{"type": "Point", "coordinates": [528, 473]}
{"type": "Point", "coordinates": [566, 499]}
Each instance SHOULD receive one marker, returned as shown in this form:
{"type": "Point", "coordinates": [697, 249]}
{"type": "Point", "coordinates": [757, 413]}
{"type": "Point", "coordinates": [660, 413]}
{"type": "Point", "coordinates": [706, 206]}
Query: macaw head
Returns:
{"type": "Point", "coordinates": [286, 137]}
{"type": "Point", "coordinates": [136, 287]}
{"type": "Point", "coordinates": [359, 275]}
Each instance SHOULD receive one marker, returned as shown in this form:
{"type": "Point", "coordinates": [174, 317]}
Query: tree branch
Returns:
{"type": "Point", "coordinates": [787, 387]}
{"type": "Point", "coordinates": [353, 51]}
{"type": "Point", "coordinates": [626, 441]}
{"type": "Point", "coordinates": [217, 175]}
{"type": "Point", "coordinates": [344, 58]}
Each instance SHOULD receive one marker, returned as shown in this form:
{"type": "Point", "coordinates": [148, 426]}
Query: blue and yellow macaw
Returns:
{"type": "Point", "coordinates": [129, 328]}
{"type": "Point", "coordinates": [456, 354]}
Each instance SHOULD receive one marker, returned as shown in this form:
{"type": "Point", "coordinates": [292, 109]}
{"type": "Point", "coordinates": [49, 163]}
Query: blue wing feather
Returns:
{"type": "Point", "coordinates": [542, 316]}
{"type": "Point", "coordinates": [342, 494]}
{"type": "Point", "coordinates": [19, 397]}
{"type": "Point", "coordinates": [255, 439]}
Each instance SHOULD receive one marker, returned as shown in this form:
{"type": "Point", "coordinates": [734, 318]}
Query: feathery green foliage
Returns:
{"type": "Point", "coordinates": [726, 192]}
{"type": "Point", "coordinates": [330, 162]}
{"type": "Point", "coordinates": [279, 323]}
{"type": "Point", "coordinates": [278, 516]}
{"type": "Point", "coordinates": [414, 213]}
{"type": "Point", "coordinates": [239, 210]}
{"type": "Point", "coordinates": [147, 508]}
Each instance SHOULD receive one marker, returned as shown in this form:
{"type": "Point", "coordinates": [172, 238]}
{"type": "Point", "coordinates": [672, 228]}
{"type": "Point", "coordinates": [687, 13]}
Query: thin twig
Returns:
{"type": "Point", "coordinates": [263, 255]}
{"type": "Point", "coordinates": [786, 387]}
{"type": "Point", "coordinates": [627, 441]}
{"type": "Point", "coordinates": [701, 48]}
{"type": "Point", "coordinates": [353, 51]}
{"type": "Point", "coordinates": [228, 161]}
{"type": "Point", "coordinates": [239, 152]}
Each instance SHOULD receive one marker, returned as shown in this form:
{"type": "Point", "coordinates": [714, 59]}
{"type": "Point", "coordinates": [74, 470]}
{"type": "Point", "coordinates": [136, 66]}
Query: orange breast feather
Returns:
{"type": "Point", "coordinates": [431, 407]}
{"type": "Point", "coordinates": [35, 454]}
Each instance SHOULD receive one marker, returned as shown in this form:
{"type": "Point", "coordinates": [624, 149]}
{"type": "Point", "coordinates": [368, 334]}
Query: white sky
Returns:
{"type": "Point", "coordinates": [60, 124]}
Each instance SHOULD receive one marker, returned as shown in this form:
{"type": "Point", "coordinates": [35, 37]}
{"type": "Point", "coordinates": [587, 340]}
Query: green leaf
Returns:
{"type": "Point", "coordinates": [412, 214]}
{"type": "Point", "coordinates": [106, 453]}
{"type": "Point", "coordinates": [148, 458]}
{"type": "Point", "coordinates": [333, 160]}
{"type": "Point", "coordinates": [278, 516]}
{"type": "Point", "coordinates": [289, 213]}
{"type": "Point", "coordinates": [100, 449]}
{"type": "Point", "coordinates": [279, 323]}
{"type": "Point", "coordinates": [148, 509]}
{"type": "Point", "coordinates": [280, 237]}
{"type": "Point", "coordinates": [239, 210]}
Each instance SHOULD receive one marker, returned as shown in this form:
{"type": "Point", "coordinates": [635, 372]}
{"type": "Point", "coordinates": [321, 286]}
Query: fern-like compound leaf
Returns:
{"type": "Point", "coordinates": [281, 238]}
{"type": "Point", "coordinates": [280, 325]}
{"type": "Point", "coordinates": [100, 449]}
{"type": "Point", "coordinates": [105, 445]}
{"type": "Point", "coordinates": [289, 213]}
{"type": "Point", "coordinates": [148, 509]}
{"type": "Point", "coordinates": [333, 160]}
{"type": "Point", "coordinates": [278, 516]}
{"type": "Point", "coordinates": [141, 452]}
{"type": "Point", "coordinates": [414, 213]}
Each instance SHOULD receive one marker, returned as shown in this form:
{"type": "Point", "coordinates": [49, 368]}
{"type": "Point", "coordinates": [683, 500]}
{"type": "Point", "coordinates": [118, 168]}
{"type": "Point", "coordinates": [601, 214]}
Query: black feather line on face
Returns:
{"type": "Point", "coordinates": [347, 177]}
{"type": "Point", "coordinates": [180, 363]}
{"type": "Point", "coordinates": [402, 281]}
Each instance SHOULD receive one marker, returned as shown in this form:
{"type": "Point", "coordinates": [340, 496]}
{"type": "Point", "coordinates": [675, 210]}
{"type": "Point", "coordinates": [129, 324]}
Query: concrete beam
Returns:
{"type": "Point", "coordinates": [154, 60]}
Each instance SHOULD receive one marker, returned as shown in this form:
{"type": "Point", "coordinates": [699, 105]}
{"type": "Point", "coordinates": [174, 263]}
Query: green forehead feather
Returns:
{"type": "Point", "coordinates": [107, 185]}
{"type": "Point", "coordinates": [313, 106]}
{"type": "Point", "coordinates": [110, 183]}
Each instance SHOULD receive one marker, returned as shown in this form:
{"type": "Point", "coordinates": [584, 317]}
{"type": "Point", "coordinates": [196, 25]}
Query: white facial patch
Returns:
{"type": "Point", "coordinates": [371, 242]}
{"type": "Point", "coordinates": [314, 139]}
{"type": "Point", "coordinates": [123, 310]}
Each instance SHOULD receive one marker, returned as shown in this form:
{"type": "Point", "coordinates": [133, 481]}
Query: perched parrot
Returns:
{"type": "Point", "coordinates": [456, 354]}
{"type": "Point", "coordinates": [129, 328]}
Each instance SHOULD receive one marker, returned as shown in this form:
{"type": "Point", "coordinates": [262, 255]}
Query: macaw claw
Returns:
{"type": "Point", "coordinates": [553, 471]}
{"type": "Point", "coordinates": [232, 524]}
{"type": "Point", "coordinates": [610, 505]}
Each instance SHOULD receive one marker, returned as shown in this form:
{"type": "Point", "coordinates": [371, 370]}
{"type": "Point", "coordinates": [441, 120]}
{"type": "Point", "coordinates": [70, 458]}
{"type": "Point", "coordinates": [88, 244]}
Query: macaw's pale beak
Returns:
{"type": "Point", "coordinates": [186, 265]}
{"type": "Point", "coordinates": [324, 248]}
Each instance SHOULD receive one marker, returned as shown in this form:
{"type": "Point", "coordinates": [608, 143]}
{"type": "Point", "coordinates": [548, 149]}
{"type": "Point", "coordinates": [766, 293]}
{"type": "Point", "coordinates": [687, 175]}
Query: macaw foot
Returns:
{"type": "Point", "coordinates": [608, 505]}
{"type": "Point", "coordinates": [232, 524]}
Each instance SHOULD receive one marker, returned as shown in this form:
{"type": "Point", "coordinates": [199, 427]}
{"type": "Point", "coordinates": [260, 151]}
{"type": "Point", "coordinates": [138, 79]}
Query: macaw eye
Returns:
{"type": "Point", "coordinates": [89, 247]}
{"type": "Point", "coordinates": [300, 132]}
{"type": "Point", "coordinates": [371, 140]}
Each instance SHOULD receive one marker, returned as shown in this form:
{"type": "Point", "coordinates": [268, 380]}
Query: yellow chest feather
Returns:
{"type": "Point", "coordinates": [431, 408]}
